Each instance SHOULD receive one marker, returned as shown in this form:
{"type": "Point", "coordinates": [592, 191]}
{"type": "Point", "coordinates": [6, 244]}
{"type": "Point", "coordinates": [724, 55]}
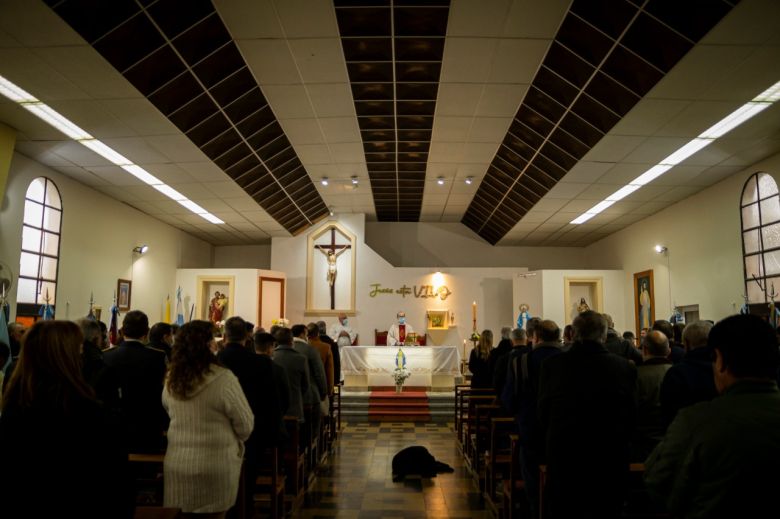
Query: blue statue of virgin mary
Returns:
{"type": "Point", "coordinates": [400, 359]}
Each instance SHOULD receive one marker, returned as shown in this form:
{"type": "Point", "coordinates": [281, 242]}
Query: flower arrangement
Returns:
{"type": "Point", "coordinates": [284, 323]}
{"type": "Point", "coordinates": [400, 375]}
{"type": "Point", "coordinates": [474, 336]}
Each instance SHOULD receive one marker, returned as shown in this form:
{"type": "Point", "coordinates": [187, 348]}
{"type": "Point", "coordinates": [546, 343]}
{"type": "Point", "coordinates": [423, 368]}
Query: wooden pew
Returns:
{"type": "Point", "coordinates": [270, 482]}
{"type": "Point", "coordinates": [294, 455]}
{"type": "Point", "coordinates": [156, 512]}
{"type": "Point", "coordinates": [513, 487]}
{"type": "Point", "coordinates": [499, 453]}
{"type": "Point", "coordinates": [147, 471]}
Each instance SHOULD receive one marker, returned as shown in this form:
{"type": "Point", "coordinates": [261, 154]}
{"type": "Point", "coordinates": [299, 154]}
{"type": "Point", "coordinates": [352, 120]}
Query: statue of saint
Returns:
{"type": "Point", "coordinates": [217, 307]}
{"type": "Point", "coordinates": [583, 306]}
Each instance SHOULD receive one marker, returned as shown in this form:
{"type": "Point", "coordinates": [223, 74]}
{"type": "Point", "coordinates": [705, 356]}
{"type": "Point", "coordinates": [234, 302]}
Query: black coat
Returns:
{"type": "Point", "coordinates": [63, 465]}
{"type": "Point", "coordinates": [140, 373]}
{"type": "Point", "coordinates": [688, 382]}
{"type": "Point", "coordinates": [587, 412]}
{"type": "Point", "coordinates": [255, 373]}
{"type": "Point", "coordinates": [334, 349]}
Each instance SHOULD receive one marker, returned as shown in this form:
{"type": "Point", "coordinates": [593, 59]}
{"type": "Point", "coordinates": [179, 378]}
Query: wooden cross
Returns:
{"type": "Point", "coordinates": [333, 247]}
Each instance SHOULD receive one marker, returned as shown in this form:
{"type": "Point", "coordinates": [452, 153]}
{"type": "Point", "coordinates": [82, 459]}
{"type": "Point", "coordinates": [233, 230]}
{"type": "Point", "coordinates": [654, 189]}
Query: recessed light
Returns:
{"type": "Point", "coordinates": [324, 181]}
{"type": "Point", "coordinates": [469, 180]}
{"type": "Point", "coordinates": [440, 181]}
{"type": "Point", "coordinates": [354, 181]}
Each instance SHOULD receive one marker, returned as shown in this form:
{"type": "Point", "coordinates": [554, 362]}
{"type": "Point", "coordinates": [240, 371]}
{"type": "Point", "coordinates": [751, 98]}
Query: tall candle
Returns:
{"type": "Point", "coordinates": [474, 311]}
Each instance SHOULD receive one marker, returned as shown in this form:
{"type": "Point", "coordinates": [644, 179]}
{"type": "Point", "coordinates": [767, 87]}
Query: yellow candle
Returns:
{"type": "Point", "coordinates": [474, 311]}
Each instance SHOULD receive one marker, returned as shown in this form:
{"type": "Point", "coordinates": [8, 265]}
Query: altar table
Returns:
{"type": "Point", "coordinates": [431, 366]}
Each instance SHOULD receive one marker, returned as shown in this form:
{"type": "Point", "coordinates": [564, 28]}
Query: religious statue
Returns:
{"type": "Point", "coordinates": [583, 306]}
{"type": "Point", "coordinates": [217, 307]}
{"type": "Point", "coordinates": [644, 307]}
{"type": "Point", "coordinates": [331, 257]}
{"type": "Point", "coordinates": [524, 316]}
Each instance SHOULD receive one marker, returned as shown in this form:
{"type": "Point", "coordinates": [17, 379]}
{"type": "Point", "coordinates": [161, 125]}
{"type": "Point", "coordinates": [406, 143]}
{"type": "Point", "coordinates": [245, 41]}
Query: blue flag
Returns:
{"type": "Point", "coordinates": [179, 311]}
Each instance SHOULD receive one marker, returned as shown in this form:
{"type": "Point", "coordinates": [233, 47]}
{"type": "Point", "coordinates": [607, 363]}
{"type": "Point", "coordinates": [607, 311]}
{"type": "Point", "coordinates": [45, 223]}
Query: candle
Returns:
{"type": "Point", "coordinates": [474, 310]}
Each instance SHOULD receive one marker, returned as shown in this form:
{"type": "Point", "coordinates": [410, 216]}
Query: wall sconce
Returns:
{"type": "Point", "coordinates": [141, 249]}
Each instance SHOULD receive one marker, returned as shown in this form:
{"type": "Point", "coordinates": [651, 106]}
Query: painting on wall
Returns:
{"type": "Point", "coordinates": [123, 293]}
{"type": "Point", "coordinates": [644, 301]}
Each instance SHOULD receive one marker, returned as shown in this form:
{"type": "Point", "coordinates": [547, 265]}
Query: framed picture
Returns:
{"type": "Point", "coordinates": [644, 301]}
{"type": "Point", "coordinates": [123, 292]}
{"type": "Point", "coordinates": [438, 319]}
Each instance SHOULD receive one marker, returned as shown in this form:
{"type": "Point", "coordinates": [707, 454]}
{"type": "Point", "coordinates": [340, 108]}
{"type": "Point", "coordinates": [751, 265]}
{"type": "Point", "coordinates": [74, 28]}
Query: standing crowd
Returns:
{"type": "Point", "coordinates": [73, 410]}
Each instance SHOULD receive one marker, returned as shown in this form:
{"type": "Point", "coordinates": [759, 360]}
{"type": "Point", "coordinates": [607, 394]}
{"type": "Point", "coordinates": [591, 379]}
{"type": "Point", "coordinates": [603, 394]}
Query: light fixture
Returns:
{"type": "Point", "coordinates": [758, 104]}
{"type": "Point", "coordinates": [330, 210]}
{"type": "Point", "coordinates": [63, 124]}
{"type": "Point", "coordinates": [469, 180]}
{"type": "Point", "coordinates": [354, 180]}
{"type": "Point", "coordinates": [440, 181]}
{"type": "Point", "coordinates": [324, 181]}
{"type": "Point", "coordinates": [660, 249]}
{"type": "Point", "coordinates": [438, 279]}
{"type": "Point", "coordinates": [141, 249]}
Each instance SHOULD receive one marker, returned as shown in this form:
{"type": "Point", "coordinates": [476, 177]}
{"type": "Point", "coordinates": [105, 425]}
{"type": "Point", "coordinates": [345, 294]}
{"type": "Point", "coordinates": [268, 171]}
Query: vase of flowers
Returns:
{"type": "Point", "coordinates": [400, 375]}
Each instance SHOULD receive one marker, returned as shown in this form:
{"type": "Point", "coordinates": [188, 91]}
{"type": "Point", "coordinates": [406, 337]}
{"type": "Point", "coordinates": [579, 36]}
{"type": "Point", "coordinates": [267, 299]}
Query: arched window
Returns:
{"type": "Point", "coordinates": [760, 208]}
{"type": "Point", "coordinates": [40, 248]}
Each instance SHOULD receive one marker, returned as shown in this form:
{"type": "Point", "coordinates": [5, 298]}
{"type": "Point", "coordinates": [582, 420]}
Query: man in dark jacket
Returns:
{"type": "Point", "coordinates": [691, 380]}
{"type": "Point", "coordinates": [677, 352]}
{"type": "Point", "coordinates": [161, 338]}
{"type": "Point", "coordinates": [334, 349]}
{"type": "Point", "coordinates": [140, 372]}
{"type": "Point", "coordinates": [620, 346]}
{"type": "Point", "coordinates": [719, 458]}
{"type": "Point", "coordinates": [499, 351]}
{"type": "Point", "coordinates": [587, 411]}
{"type": "Point", "coordinates": [256, 376]}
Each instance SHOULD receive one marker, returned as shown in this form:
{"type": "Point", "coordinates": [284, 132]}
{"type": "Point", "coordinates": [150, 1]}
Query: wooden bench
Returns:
{"type": "Point", "coordinates": [270, 482]}
{"type": "Point", "coordinates": [156, 512]}
{"type": "Point", "coordinates": [499, 455]}
{"type": "Point", "coordinates": [513, 487]}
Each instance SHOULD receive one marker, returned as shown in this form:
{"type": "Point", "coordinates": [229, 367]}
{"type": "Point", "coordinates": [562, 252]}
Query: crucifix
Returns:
{"type": "Point", "coordinates": [332, 252]}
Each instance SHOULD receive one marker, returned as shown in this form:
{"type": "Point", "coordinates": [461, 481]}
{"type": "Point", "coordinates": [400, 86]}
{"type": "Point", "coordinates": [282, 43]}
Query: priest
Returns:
{"type": "Point", "coordinates": [341, 332]}
{"type": "Point", "coordinates": [396, 335]}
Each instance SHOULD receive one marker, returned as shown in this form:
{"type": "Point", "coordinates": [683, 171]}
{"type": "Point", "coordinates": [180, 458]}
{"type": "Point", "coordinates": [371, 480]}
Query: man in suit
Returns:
{"type": "Point", "coordinates": [255, 374]}
{"type": "Point", "coordinates": [264, 345]}
{"type": "Point", "coordinates": [297, 368]}
{"type": "Point", "coordinates": [326, 355]}
{"type": "Point", "coordinates": [586, 412]}
{"type": "Point", "coordinates": [318, 390]}
{"type": "Point", "coordinates": [140, 372]}
{"type": "Point", "coordinates": [334, 349]}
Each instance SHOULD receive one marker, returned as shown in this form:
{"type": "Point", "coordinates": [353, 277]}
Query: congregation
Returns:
{"type": "Point", "coordinates": [586, 406]}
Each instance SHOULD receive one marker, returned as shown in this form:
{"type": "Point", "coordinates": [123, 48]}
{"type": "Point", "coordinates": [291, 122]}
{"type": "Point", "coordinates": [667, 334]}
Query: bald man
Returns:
{"type": "Point", "coordinates": [341, 332]}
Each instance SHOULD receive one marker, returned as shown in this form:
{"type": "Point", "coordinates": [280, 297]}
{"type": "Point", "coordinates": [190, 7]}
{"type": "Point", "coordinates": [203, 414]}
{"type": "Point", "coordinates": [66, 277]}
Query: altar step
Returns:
{"type": "Point", "coordinates": [387, 405]}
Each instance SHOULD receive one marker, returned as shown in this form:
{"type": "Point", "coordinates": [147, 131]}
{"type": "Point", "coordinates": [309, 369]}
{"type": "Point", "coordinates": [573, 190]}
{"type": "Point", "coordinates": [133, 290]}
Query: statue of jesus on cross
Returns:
{"type": "Point", "coordinates": [332, 251]}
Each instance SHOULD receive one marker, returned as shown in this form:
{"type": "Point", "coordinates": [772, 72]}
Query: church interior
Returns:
{"type": "Point", "coordinates": [415, 172]}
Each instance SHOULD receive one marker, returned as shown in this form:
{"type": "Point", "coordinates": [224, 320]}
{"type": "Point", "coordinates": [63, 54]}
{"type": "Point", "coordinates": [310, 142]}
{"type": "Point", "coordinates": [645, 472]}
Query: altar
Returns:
{"type": "Point", "coordinates": [430, 366]}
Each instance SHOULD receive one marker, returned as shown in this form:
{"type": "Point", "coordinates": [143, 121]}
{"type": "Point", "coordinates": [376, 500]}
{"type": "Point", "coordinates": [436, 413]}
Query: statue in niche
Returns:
{"type": "Point", "coordinates": [583, 306]}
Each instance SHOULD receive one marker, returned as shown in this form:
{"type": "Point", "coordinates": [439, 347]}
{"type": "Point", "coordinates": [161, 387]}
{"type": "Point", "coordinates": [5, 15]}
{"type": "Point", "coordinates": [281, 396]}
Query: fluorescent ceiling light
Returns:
{"type": "Point", "coordinates": [14, 93]}
{"type": "Point", "coordinates": [623, 192]}
{"type": "Point", "coordinates": [734, 119]}
{"type": "Point", "coordinates": [142, 175]}
{"type": "Point", "coordinates": [169, 192]}
{"type": "Point", "coordinates": [686, 151]}
{"type": "Point", "coordinates": [211, 218]}
{"type": "Point", "coordinates": [725, 125]}
{"type": "Point", "coordinates": [55, 119]}
{"type": "Point", "coordinates": [107, 153]}
{"type": "Point", "coordinates": [651, 174]}
{"type": "Point", "coordinates": [61, 123]}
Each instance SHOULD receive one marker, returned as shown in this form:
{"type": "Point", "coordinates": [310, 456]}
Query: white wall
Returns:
{"type": "Point", "coordinates": [98, 235]}
{"type": "Point", "coordinates": [246, 290]}
{"type": "Point", "coordinates": [430, 245]}
{"type": "Point", "coordinates": [703, 235]}
{"type": "Point", "coordinates": [491, 288]}
{"type": "Point", "coordinates": [243, 256]}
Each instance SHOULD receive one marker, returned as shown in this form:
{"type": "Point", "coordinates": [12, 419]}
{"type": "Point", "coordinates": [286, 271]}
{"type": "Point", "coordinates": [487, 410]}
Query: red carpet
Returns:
{"type": "Point", "coordinates": [407, 406]}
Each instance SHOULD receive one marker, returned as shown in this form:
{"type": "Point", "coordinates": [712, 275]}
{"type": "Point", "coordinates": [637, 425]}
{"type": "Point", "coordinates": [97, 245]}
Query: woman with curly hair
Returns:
{"type": "Point", "coordinates": [210, 420]}
{"type": "Point", "coordinates": [478, 361]}
{"type": "Point", "coordinates": [60, 456]}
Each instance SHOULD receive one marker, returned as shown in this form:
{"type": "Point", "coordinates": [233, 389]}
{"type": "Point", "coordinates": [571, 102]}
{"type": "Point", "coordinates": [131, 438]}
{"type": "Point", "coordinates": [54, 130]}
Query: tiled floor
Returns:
{"type": "Point", "coordinates": [357, 482]}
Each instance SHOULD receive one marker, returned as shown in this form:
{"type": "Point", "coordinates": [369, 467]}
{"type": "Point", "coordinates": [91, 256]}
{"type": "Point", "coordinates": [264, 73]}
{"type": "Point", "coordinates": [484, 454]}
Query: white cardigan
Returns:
{"type": "Point", "coordinates": [206, 444]}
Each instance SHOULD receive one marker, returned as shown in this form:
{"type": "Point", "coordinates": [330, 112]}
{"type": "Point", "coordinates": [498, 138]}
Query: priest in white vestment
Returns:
{"type": "Point", "coordinates": [396, 335]}
{"type": "Point", "coordinates": [342, 333]}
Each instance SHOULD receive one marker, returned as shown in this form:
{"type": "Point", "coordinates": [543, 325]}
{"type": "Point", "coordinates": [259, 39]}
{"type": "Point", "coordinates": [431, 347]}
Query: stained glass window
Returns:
{"type": "Point", "coordinates": [760, 210]}
{"type": "Point", "coordinates": [39, 258]}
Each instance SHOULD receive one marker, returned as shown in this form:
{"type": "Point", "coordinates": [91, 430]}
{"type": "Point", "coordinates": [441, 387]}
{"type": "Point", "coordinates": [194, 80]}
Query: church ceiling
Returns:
{"type": "Point", "coordinates": [509, 116]}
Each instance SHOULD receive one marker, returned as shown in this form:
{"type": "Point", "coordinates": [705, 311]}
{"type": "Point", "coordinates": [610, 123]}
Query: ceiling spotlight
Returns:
{"type": "Point", "coordinates": [440, 181]}
{"type": "Point", "coordinates": [660, 249]}
{"type": "Point", "coordinates": [141, 249]}
{"type": "Point", "coordinates": [469, 180]}
{"type": "Point", "coordinates": [354, 181]}
{"type": "Point", "coordinates": [324, 181]}
{"type": "Point", "coordinates": [330, 210]}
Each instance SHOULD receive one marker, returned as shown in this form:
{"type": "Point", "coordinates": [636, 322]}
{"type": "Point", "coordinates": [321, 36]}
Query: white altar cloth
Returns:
{"type": "Point", "coordinates": [375, 364]}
